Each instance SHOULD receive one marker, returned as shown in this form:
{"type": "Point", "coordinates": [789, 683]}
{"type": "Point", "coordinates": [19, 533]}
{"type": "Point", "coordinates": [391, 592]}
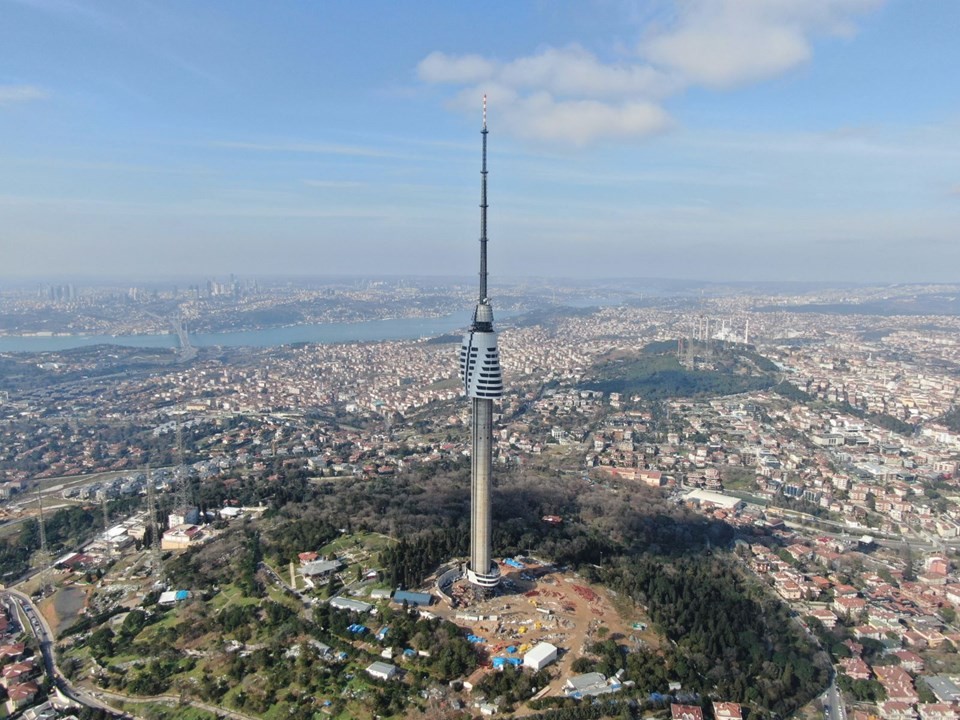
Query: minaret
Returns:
{"type": "Point", "coordinates": [482, 382]}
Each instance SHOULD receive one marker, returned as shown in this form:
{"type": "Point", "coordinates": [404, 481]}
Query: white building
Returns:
{"type": "Point", "coordinates": [382, 670]}
{"type": "Point", "coordinates": [705, 498]}
{"type": "Point", "coordinates": [357, 606]}
{"type": "Point", "coordinates": [189, 515]}
{"type": "Point", "coordinates": [540, 656]}
{"type": "Point", "coordinates": [320, 568]}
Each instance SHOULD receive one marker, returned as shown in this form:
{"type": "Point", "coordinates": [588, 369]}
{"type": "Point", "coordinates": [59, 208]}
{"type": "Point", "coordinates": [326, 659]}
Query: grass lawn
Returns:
{"type": "Point", "coordinates": [168, 620]}
{"type": "Point", "coordinates": [359, 551]}
{"type": "Point", "coordinates": [371, 542]}
{"type": "Point", "coordinates": [279, 596]}
{"type": "Point", "coordinates": [738, 478]}
{"type": "Point", "coordinates": [230, 595]}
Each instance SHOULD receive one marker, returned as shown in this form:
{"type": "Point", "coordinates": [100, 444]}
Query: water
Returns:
{"type": "Point", "coordinates": [324, 333]}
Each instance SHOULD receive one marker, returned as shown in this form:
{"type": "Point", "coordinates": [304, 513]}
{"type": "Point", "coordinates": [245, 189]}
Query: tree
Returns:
{"type": "Point", "coordinates": [909, 571]}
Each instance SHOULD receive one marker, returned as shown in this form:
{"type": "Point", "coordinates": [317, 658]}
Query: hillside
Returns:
{"type": "Point", "coordinates": [655, 373]}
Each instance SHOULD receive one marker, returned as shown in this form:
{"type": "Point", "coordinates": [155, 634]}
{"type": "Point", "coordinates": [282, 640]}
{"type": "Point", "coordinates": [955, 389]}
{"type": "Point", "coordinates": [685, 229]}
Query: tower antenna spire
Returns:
{"type": "Point", "coordinates": [483, 210]}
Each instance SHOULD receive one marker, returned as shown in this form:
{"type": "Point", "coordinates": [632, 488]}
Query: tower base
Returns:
{"type": "Point", "coordinates": [488, 580]}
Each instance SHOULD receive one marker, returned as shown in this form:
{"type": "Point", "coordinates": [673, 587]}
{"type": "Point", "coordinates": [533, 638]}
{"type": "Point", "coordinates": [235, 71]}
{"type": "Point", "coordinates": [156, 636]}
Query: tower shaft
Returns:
{"type": "Point", "coordinates": [481, 457]}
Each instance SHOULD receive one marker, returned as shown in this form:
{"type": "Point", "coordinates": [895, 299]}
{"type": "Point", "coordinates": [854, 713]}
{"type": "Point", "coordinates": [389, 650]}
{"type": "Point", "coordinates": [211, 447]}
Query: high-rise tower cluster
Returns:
{"type": "Point", "coordinates": [482, 382]}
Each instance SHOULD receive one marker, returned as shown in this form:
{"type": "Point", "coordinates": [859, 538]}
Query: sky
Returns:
{"type": "Point", "coordinates": [704, 139]}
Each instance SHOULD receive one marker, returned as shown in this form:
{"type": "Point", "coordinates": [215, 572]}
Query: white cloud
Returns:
{"type": "Point", "coordinates": [438, 67]}
{"type": "Point", "coordinates": [574, 72]}
{"type": "Point", "coordinates": [723, 43]}
{"type": "Point", "coordinates": [730, 56]}
{"type": "Point", "coordinates": [580, 122]}
{"type": "Point", "coordinates": [15, 94]}
{"type": "Point", "coordinates": [569, 94]}
{"type": "Point", "coordinates": [564, 72]}
{"type": "Point", "coordinates": [559, 95]}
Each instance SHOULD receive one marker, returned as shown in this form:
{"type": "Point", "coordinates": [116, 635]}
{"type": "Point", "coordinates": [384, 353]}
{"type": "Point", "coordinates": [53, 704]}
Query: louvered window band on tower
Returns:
{"type": "Point", "coordinates": [480, 366]}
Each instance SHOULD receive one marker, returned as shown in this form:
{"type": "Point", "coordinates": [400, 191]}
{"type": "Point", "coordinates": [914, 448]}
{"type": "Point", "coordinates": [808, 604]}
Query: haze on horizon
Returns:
{"type": "Point", "coordinates": [710, 139]}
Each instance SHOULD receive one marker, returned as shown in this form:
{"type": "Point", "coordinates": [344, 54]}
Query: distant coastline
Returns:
{"type": "Point", "coordinates": [324, 333]}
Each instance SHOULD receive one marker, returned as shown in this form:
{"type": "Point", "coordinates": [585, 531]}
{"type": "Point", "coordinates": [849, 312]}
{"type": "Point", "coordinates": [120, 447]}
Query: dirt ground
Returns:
{"type": "Point", "coordinates": [62, 608]}
{"type": "Point", "coordinates": [538, 604]}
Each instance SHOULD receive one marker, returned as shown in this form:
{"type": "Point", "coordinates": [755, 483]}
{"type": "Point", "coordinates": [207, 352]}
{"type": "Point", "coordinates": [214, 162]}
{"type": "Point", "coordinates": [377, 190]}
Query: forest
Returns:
{"type": "Point", "coordinates": [656, 374]}
{"type": "Point", "coordinates": [293, 659]}
{"type": "Point", "coordinates": [952, 420]}
{"type": "Point", "coordinates": [730, 639]}
{"type": "Point", "coordinates": [65, 528]}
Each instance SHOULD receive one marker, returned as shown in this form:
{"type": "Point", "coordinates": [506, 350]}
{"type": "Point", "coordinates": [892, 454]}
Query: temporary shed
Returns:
{"type": "Point", "coordinates": [541, 655]}
{"type": "Point", "coordinates": [413, 599]}
{"type": "Point", "coordinates": [358, 606]}
{"type": "Point", "coordinates": [320, 567]}
{"type": "Point", "coordinates": [382, 670]}
{"type": "Point", "coordinates": [170, 597]}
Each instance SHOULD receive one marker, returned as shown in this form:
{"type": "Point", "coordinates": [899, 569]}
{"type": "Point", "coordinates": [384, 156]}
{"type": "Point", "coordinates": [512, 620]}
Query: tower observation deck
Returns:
{"type": "Point", "coordinates": [482, 383]}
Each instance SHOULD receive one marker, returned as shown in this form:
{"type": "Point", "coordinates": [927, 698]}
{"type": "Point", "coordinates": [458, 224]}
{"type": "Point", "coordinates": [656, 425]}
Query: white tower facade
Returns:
{"type": "Point", "coordinates": [482, 383]}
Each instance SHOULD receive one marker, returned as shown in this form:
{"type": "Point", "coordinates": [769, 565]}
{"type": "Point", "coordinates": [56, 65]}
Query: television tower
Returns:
{"type": "Point", "coordinates": [482, 383]}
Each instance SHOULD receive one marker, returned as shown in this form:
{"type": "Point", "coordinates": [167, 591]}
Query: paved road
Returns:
{"type": "Point", "coordinates": [44, 635]}
{"type": "Point", "coordinates": [925, 543]}
{"type": "Point", "coordinates": [834, 703]}
{"type": "Point", "coordinates": [41, 630]}
{"type": "Point", "coordinates": [281, 582]}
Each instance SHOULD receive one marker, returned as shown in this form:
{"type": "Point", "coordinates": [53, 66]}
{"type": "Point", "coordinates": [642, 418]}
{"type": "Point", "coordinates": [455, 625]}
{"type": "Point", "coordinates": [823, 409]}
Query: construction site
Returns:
{"type": "Point", "coordinates": [540, 603]}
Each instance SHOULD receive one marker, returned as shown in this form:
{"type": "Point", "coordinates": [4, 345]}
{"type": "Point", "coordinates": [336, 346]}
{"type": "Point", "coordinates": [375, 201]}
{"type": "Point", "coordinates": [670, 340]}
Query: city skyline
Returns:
{"type": "Point", "coordinates": [721, 141]}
